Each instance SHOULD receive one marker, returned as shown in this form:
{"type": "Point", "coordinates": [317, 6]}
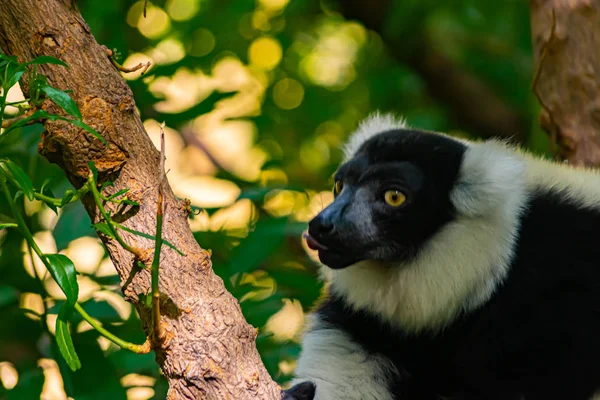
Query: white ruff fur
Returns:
{"type": "Point", "coordinates": [340, 368]}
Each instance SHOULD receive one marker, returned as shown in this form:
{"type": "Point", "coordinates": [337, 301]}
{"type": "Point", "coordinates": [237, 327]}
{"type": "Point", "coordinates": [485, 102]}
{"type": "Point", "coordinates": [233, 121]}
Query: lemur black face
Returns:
{"type": "Point", "coordinates": [389, 199]}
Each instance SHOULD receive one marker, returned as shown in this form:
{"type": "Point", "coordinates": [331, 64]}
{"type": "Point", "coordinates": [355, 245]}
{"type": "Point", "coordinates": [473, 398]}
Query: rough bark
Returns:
{"type": "Point", "coordinates": [209, 350]}
{"type": "Point", "coordinates": [472, 102]}
{"type": "Point", "coordinates": [567, 82]}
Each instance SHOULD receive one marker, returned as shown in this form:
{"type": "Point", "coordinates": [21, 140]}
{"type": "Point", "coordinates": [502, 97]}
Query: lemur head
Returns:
{"type": "Point", "coordinates": [398, 187]}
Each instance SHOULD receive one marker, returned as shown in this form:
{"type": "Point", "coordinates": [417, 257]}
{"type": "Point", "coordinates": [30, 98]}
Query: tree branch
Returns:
{"type": "Point", "coordinates": [567, 82]}
{"type": "Point", "coordinates": [474, 105]}
{"type": "Point", "coordinates": [207, 349]}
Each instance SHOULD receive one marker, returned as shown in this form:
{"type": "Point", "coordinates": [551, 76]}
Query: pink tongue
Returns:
{"type": "Point", "coordinates": [312, 243]}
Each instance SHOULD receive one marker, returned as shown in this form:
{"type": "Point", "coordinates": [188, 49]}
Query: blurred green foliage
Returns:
{"type": "Point", "coordinates": [301, 76]}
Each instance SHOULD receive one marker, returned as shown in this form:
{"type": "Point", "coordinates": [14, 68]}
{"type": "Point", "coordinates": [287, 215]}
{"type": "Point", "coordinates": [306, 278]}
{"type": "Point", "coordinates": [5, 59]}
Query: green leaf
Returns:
{"type": "Point", "coordinates": [20, 177]}
{"type": "Point", "coordinates": [8, 225]}
{"type": "Point", "coordinates": [119, 193]}
{"type": "Point", "coordinates": [17, 195]}
{"type": "Point", "coordinates": [62, 100]}
{"type": "Point", "coordinates": [105, 229]}
{"type": "Point", "coordinates": [63, 271]}
{"type": "Point", "coordinates": [14, 79]}
{"type": "Point", "coordinates": [47, 60]}
{"type": "Point", "coordinates": [88, 128]}
{"type": "Point", "coordinates": [63, 338]}
{"type": "Point", "coordinates": [47, 192]}
{"type": "Point", "coordinates": [130, 202]}
{"type": "Point", "coordinates": [148, 236]}
{"type": "Point", "coordinates": [105, 185]}
{"type": "Point", "coordinates": [36, 115]}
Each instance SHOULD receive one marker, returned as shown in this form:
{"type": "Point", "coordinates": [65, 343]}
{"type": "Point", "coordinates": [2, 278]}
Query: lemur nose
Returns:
{"type": "Point", "coordinates": [319, 227]}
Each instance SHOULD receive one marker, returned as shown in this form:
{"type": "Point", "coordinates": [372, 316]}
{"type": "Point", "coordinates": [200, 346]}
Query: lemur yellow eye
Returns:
{"type": "Point", "coordinates": [338, 187]}
{"type": "Point", "coordinates": [394, 198]}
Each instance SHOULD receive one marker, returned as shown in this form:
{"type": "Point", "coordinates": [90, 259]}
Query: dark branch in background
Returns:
{"type": "Point", "coordinates": [536, 78]}
{"type": "Point", "coordinates": [566, 39]}
{"type": "Point", "coordinates": [474, 105]}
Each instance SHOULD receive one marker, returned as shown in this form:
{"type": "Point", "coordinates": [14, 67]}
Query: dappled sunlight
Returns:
{"type": "Point", "coordinates": [53, 381]}
{"type": "Point", "coordinates": [328, 58]}
{"type": "Point", "coordinates": [203, 43]}
{"type": "Point", "coordinates": [235, 217]}
{"type": "Point", "coordinates": [33, 302]}
{"type": "Point", "coordinates": [133, 60]}
{"type": "Point", "coordinates": [181, 91]}
{"type": "Point", "coordinates": [287, 322]}
{"type": "Point", "coordinates": [288, 93]}
{"type": "Point", "coordinates": [168, 51]}
{"type": "Point", "coordinates": [9, 376]}
{"type": "Point", "coordinates": [14, 94]}
{"type": "Point", "coordinates": [116, 301]}
{"type": "Point", "coordinates": [317, 203]}
{"type": "Point", "coordinates": [182, 10]}
{"type": "Point", "coordinates": [262, 283]}
{"type": "Point", "coordinates": [265, 52]}
{"type": "Point", "coordinates": [139, 387]}
{"type": "Point", "coordinates": [48, 218]}
{"type": "Point", "coordinates": [231, 143]}
{"type": "Point", "coordinates": [206, 191]}
{"type": "Point", "coordinates": [86, 253]}
{"type": "Point", "coordinates": [46, 243]}
{"type": "Point", "coordinates": [87, 288]}
{"type": "Point", "coordinates": [154, 25]}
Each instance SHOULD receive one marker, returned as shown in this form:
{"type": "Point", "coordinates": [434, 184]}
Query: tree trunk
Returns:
{"type": "Point", "coordinates": [208, 351]}
{"type": "Point", "coordinates": [566, 39]}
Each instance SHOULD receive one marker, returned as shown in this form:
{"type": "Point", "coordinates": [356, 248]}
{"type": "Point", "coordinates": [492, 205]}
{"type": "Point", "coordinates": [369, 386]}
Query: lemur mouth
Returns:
{"type": "Point", "coordinates": [312, 243]}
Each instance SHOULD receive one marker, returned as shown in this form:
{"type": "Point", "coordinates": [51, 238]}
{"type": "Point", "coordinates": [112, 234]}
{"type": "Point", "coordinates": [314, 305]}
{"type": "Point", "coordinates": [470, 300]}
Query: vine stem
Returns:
{"type": "Point", "coordinates": [158, 243]}
{"type": "Point", "coordinates": [91, 184]}
{"type": "Point", "coordinates": [136, 348]}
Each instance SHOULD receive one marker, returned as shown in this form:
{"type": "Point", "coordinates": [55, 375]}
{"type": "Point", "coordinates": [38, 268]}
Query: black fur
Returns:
{"type": "Point", "coordinates": [538, 338]}
{"type": "Point", "coordinates": [301, 391]}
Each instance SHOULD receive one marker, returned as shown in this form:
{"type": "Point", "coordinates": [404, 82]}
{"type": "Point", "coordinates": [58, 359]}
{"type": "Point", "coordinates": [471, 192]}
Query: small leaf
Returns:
{"type": "Point", "coordinates": [119, 193]}
{"type": "Point", "coordinates": [63, 338]}
{"type": "Point", "coordinates": [130, 202]}
{"type": "Point", "coordinates": [88, 128]}
{"type": "Point", "coordinates": [62, 100]}
{"type": "Point", "coordinates": [105, 229]}
{"type": "Point", "coordinates": [36, 115]}
{"type": "Point", "coordinates": [21, 178]}
{"type": "Point", "coordinates": [14, 79]}
{"type": "Point", "coordinates": [47, 192]}
{"type": "Point", "coordinates": [17, 195]}
{"type": "Point", "coordinates": [148, 236]}
{"type": "Point", "coordinates": [47, 60]}
{"type": "Point", "coordinates": [63, 271]}
{"type": "Point", "coordinates": [8, 225]}
{"type": "Point", "coordinates": [92, 167]}
{"type": "Point", "coordinates": [105, 185]}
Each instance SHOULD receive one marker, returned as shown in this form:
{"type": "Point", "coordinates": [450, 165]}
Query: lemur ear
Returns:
{"type": "Point", "coordinates": [369, 127]}
{"type": "Point", "coordinates": [490, 178]}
